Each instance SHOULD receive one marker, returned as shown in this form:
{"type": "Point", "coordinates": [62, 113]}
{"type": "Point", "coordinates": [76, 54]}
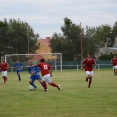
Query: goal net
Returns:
{"type": "Point", "coordinates": [54, 59]}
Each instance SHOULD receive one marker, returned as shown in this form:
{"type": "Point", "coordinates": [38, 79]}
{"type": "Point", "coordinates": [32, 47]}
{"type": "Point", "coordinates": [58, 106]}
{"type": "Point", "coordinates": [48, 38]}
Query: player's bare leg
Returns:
{"type": "Point", "coordinates": [54, 85]}
{"type": "Point", "coordinates": [43, 83]}
{"type": "Point", "coordinates": [86, 79]}
{"type": "Point", "coordinates": [18, 73]}
{"type": "Point", "coordinates": [90, 79]}
{"type": "Point", "coordinates": [5, 79]}
{"type": "Point", "coordinates": [115, 71]}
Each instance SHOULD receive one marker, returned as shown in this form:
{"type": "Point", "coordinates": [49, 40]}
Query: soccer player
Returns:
{"type": "Point", "coordinates": [19, 67]}
{"type": "Point", "coordinates": [34, 71]}
{"type": "Point", "coordinates": [35, 62]}
{"type": "Point", "coordinates": [114, 63]}
{"type": "Point", "coordinates": [89, 62]}
{"type": "Point", "coordinates": [46, 71]}
{"type": "Point", "coordinates": [3, 67]}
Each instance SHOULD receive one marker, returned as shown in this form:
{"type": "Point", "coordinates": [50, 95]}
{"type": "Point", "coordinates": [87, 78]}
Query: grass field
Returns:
{"type": "Point", "coordinates": [74, 100]}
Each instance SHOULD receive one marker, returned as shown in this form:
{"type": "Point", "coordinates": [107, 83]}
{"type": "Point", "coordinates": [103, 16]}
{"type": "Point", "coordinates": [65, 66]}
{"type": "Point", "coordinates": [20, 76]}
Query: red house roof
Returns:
{"type": "Point", "coordinates": [46, 41]}
{"type": "Point", "coordinates": [37, 57]}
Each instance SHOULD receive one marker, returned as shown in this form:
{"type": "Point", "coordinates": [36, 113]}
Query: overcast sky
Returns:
{"type": "Point", "coordinates": [46, 16]}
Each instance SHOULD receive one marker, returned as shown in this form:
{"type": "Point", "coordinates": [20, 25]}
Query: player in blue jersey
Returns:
{"type": "Point", "coordinates": [19, 67]}
{"type": "Point", "coordinates": [34, 71]}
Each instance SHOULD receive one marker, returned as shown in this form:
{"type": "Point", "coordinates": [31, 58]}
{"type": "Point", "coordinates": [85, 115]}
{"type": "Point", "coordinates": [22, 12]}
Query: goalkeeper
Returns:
{"type": "Point", "coordinates": [34, 71]}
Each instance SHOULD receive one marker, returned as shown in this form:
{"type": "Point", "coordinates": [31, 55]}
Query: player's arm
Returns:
{"type": "Point", "coordinates": [21, 65]}
{"type": "Point", "coordinates": [15, 65]}
{"type": "Point", "coordinates": [7, 65]}
{"type": "Point", "coordinates": [0, 67]}
{"type": "Point", "coordinates": [82, 64]}
{"type": "Point", "coordinates": [94, 65]}
{"type": "Point", "coordinates": [29, 71]}
{"type": "Point", "coordinates": [34, 66]}
{"type": "Point", "coordinates": [36, 69]}
{"type": "Point", "coordinates": [50, 71]}
{"type": "Point", "coordinates": [111, 61]}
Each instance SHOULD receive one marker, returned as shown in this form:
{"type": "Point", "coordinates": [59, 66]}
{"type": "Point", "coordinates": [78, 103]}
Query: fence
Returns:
{"type": "Point", "coordinates": [66, 67]}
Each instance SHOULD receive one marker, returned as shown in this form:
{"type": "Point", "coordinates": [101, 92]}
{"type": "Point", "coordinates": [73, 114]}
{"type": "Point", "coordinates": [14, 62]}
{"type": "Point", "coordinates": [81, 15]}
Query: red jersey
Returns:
{"type": "Point", "coordinates": [4, 66]}
{"type": "Point", "coordinates": [88, 63]}
{"type": "Point", "coordinates": [44, 67]}
{"type": "Point", "coordinates": [114, 61]}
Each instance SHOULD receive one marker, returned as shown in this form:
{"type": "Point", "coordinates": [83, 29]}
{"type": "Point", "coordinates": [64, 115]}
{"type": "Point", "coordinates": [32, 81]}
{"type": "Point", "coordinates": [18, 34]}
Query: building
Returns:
{"type": "Point", "coordinates": [44, 50]}
{"type": "Point", "coordinates": [107, 50]}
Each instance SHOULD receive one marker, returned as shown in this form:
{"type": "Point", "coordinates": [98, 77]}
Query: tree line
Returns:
{"type": "Point", "coordinates": [93, 38]}
{"type": "Point", "coordinates": [17, 37]}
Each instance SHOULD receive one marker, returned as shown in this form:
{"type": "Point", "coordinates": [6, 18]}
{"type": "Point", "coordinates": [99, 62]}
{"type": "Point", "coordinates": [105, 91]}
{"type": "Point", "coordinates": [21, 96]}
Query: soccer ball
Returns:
{"type": "Point", "coordinates": [31, 88]}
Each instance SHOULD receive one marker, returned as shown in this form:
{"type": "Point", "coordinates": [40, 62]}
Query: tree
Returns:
{"type": "Point", "coordinates": [103, 35]}
{"type": "Point", "coordinates": [96, 37]}
{"type": "Point", "coordinates": [59, 44]}
{"type": "Point", "coordinates": [114, 32]}
{"type": "Point", "coordinates": [93, 38]}
{"type": "Point", "coordinates": [89, 41]}
{"type": "Point", "coordinates": [3, 36]}
{"type": "Point", "coordinates": [14, 37]}
{"type": "Point", "coordinates": [68, 43]}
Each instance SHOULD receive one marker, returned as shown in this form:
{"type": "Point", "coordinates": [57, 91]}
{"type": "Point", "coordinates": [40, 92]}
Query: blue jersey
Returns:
{"type": "Point", "coordinates": [35, 69]}
{"type": "Point", "coordinates": [18, 66]}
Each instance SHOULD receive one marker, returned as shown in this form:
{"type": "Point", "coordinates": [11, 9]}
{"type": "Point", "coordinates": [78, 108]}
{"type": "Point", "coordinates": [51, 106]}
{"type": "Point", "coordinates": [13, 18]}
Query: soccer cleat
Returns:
{"type": "Point", "coordinates": [19, 79]}
{"type": "Point", "coordinates": [35, 89]}
{"type": "Point", "coordinates": [58, 87]}
{"type": "Point", "coordinates": [46, 89]}
{"type": "Point", "coordinates": [88, 86]}
{"type": "Point", "coordinates": [86, 79]}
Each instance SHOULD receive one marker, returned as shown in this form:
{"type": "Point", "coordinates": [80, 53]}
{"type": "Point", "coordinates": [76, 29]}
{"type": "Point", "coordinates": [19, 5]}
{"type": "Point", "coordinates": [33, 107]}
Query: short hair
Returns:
{"type": "Point", "coordinates": [42, 60]}
{"type": "Point", "coordinates": [90, 54]}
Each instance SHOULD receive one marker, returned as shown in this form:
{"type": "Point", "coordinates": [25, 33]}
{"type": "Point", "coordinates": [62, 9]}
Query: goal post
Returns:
{"type": "Point", "coordinates": [54, 59]}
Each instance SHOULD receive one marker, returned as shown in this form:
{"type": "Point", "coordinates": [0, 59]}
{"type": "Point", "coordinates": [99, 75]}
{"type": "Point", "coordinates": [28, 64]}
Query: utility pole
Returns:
{"type": "Point", "coordinates": [81, 41]}
{"type": "Point", "coordinates": [27, 39]}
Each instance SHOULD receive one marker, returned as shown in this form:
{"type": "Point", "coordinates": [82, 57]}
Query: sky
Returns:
{"type": "Point", "coordinates": [47, 16]}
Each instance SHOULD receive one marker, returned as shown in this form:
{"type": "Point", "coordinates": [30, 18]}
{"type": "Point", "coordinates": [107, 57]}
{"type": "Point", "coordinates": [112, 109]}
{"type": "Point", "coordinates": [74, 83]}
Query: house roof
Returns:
{"type": "Point", "coordinates": [37, 57]}
{"type": "Point", "coordinates": [46, 41]}
{"type": "Point", "coordinates": [113, 48]}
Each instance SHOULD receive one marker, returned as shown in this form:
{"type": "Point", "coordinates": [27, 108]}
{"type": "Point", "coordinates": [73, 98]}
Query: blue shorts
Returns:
{"type": "Point", "coordinates": [35, 77]}
{"type": "Point", "coordinates": [18, 71]}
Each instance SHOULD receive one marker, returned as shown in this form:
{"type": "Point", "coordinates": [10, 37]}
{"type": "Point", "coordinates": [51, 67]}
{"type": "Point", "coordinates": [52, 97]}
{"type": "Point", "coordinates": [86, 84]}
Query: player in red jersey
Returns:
{"type": "Point", "coordinates": [46, 71]}
{"type": "Point", "coordinates": [89, 62]}
{"type": "Point", "coordinates": [114, 63]}
{"type": "Point", "coordinates": [4, 66]}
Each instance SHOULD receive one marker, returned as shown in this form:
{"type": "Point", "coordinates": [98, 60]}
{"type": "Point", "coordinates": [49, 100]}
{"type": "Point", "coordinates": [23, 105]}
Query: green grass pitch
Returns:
{"type": "Point", "coordinates": [74, 100]}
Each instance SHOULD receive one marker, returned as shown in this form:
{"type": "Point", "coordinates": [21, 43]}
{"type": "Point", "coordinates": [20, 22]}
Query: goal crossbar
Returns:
{"type": "Point", "coordinates": [7, 55]}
